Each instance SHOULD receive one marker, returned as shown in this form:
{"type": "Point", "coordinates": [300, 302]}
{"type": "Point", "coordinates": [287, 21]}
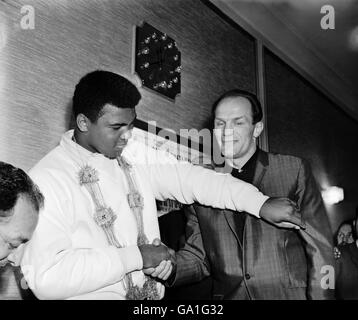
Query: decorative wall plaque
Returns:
{"type": "Point", "coordinates": [157, 61]}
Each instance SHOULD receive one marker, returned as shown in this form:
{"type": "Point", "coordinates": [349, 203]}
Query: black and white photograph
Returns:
{"type": "Point", "coordinates": [195, 152]}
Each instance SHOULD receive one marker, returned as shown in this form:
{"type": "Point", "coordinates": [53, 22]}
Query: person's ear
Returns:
{"type": "Point", "coordinates": [259, 126]}
{"type": "Point", "coordinates": [82, 122]}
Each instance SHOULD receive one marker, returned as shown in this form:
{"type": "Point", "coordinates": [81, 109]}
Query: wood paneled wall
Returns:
{"type": "Point", "coordinates": [39, 68]}
{"type": "Point", "coordinates": [304, 122]}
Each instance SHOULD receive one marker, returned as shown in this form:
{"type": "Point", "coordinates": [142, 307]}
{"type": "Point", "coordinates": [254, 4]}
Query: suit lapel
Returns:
{"type": "Point", "coordinates": [230, 219]}
{"type": "Point", "coordinates": [353, 254]}
{"type": "Point", "coordinates": [261, 167]}
{"type": "Point", "coordinates": [252, 227]}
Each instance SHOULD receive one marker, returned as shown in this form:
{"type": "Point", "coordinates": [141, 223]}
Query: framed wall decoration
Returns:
{"type": "Point", "coordinates": [157, 61]}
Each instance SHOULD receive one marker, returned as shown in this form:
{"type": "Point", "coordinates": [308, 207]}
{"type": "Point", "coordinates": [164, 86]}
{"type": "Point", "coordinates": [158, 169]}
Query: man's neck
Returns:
{"type": "Point", "coordinates": [79, 139]}
{"type": "Point", "coordinates": [240, 162]}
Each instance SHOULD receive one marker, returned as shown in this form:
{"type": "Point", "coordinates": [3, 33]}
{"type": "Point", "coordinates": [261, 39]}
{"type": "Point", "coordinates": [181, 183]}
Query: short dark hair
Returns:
{"type": "Point", "coordinates": [13, 183]}
{"type": "Point", "coordinates": [255, 103]}
{"type": "Point", "coordinates": [98, 88]}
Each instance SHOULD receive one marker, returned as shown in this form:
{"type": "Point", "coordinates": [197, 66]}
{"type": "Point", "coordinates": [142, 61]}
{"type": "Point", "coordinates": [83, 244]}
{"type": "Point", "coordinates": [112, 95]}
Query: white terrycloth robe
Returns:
{"type": "Point", "coordinates": [69, 256]}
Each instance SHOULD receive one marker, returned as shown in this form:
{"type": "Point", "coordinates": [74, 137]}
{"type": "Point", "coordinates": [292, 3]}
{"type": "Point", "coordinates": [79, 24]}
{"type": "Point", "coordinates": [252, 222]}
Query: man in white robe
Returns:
{"type": "Point", "coordinates": [73, 253]}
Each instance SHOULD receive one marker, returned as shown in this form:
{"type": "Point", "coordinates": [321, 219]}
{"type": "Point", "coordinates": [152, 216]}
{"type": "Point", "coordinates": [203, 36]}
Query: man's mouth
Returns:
{"type": "Point", "coordinates": [120, 147]}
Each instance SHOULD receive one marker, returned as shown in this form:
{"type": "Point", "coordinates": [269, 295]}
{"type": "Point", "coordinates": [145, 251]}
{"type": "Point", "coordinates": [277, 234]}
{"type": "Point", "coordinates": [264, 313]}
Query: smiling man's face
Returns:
{"type": "Point", "coordinates": [233, 127]}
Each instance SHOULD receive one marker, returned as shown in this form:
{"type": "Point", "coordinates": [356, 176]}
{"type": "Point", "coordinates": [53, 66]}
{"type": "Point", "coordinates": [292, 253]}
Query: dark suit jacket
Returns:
{"type": "Point", "coordinates": [347, 275]}
{"type": "Point", "coordinates": [270, 263]}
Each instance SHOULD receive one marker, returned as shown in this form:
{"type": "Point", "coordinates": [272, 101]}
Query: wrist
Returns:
{"type": "Point", "coordinates": [131, 258]}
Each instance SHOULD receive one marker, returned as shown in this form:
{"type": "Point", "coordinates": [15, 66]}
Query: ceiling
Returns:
{"type": "Point", "coordinates": [292, 29]}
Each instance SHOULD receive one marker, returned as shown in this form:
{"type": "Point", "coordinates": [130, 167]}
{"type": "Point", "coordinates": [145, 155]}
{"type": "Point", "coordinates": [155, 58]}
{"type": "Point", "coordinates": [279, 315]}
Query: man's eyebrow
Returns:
{"type": "Point", "coordinates": [225, 119]}
{"type": "Point", "coordinates": [21, 240]}
{"type": "Point", "coordinates": [18, 241]}
{"type": "Point", "coordinates": [120, 124]}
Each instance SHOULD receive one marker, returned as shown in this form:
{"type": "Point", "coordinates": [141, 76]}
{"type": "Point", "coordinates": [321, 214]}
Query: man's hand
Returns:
{"type": "Point", "coordinates": [153, 254]}
{"type": "Point", "coordinates": [282, 213]}
{"type": "Point", "coordinates": [165, 268]}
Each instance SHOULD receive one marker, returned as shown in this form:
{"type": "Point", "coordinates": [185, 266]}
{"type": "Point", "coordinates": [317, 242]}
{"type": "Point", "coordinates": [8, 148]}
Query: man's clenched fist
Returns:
{"type": "Point", "coordinates": [153, 254]}
{"type": "Point", "coordinates": [281, 212]}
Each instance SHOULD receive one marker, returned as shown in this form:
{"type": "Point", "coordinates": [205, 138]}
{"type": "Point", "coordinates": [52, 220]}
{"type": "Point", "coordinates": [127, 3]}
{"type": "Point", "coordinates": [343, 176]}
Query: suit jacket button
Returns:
{"type": "Point", "coordinates": [247, 276]}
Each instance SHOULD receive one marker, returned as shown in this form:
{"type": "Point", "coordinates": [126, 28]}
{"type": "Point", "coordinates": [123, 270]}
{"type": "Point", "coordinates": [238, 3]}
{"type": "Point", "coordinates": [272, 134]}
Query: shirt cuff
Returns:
{"type": "Point", "coordinates": [255, 202]}
{"type": "Point", "coordinates": [131, 258]}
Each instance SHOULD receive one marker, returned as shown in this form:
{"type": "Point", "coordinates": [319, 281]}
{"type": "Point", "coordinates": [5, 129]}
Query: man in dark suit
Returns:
{"type": "Point", "coordinates": [248, 258]}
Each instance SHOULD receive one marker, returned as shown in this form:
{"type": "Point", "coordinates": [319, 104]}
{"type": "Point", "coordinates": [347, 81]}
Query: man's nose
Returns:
{"type": "Point", "coordinates": [347, 238]}
{"type": "Point", "coordinates": [15, 256]}
{"type": "Point", "coordinates": [126, 135]}
{"type": "Point", "coordinates": [228, 131]}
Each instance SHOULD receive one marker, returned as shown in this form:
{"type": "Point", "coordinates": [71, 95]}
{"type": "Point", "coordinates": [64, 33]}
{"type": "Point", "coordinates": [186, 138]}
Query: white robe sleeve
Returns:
{"type": "Point", "coordinates": [188, 183]}
{"type": "Point", "coordinates": [54, 269]}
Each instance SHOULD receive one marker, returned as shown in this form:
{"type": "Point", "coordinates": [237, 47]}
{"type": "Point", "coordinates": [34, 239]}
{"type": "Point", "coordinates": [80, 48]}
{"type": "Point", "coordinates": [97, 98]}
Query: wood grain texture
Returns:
{"type": "Point", "coordinates": [303, 122]}
{"type": "Point", "coordinates": [39, 68]}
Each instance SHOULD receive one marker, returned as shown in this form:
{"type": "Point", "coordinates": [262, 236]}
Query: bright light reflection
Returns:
{"type": "Point", "coordinates": [332, 195]}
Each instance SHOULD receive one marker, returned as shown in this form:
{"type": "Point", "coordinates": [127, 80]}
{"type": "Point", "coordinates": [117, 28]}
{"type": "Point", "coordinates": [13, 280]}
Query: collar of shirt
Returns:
{"type": "Point", "coordinates": [248, 170]}
{"type": "Point", "coordinates": [75, 150]}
